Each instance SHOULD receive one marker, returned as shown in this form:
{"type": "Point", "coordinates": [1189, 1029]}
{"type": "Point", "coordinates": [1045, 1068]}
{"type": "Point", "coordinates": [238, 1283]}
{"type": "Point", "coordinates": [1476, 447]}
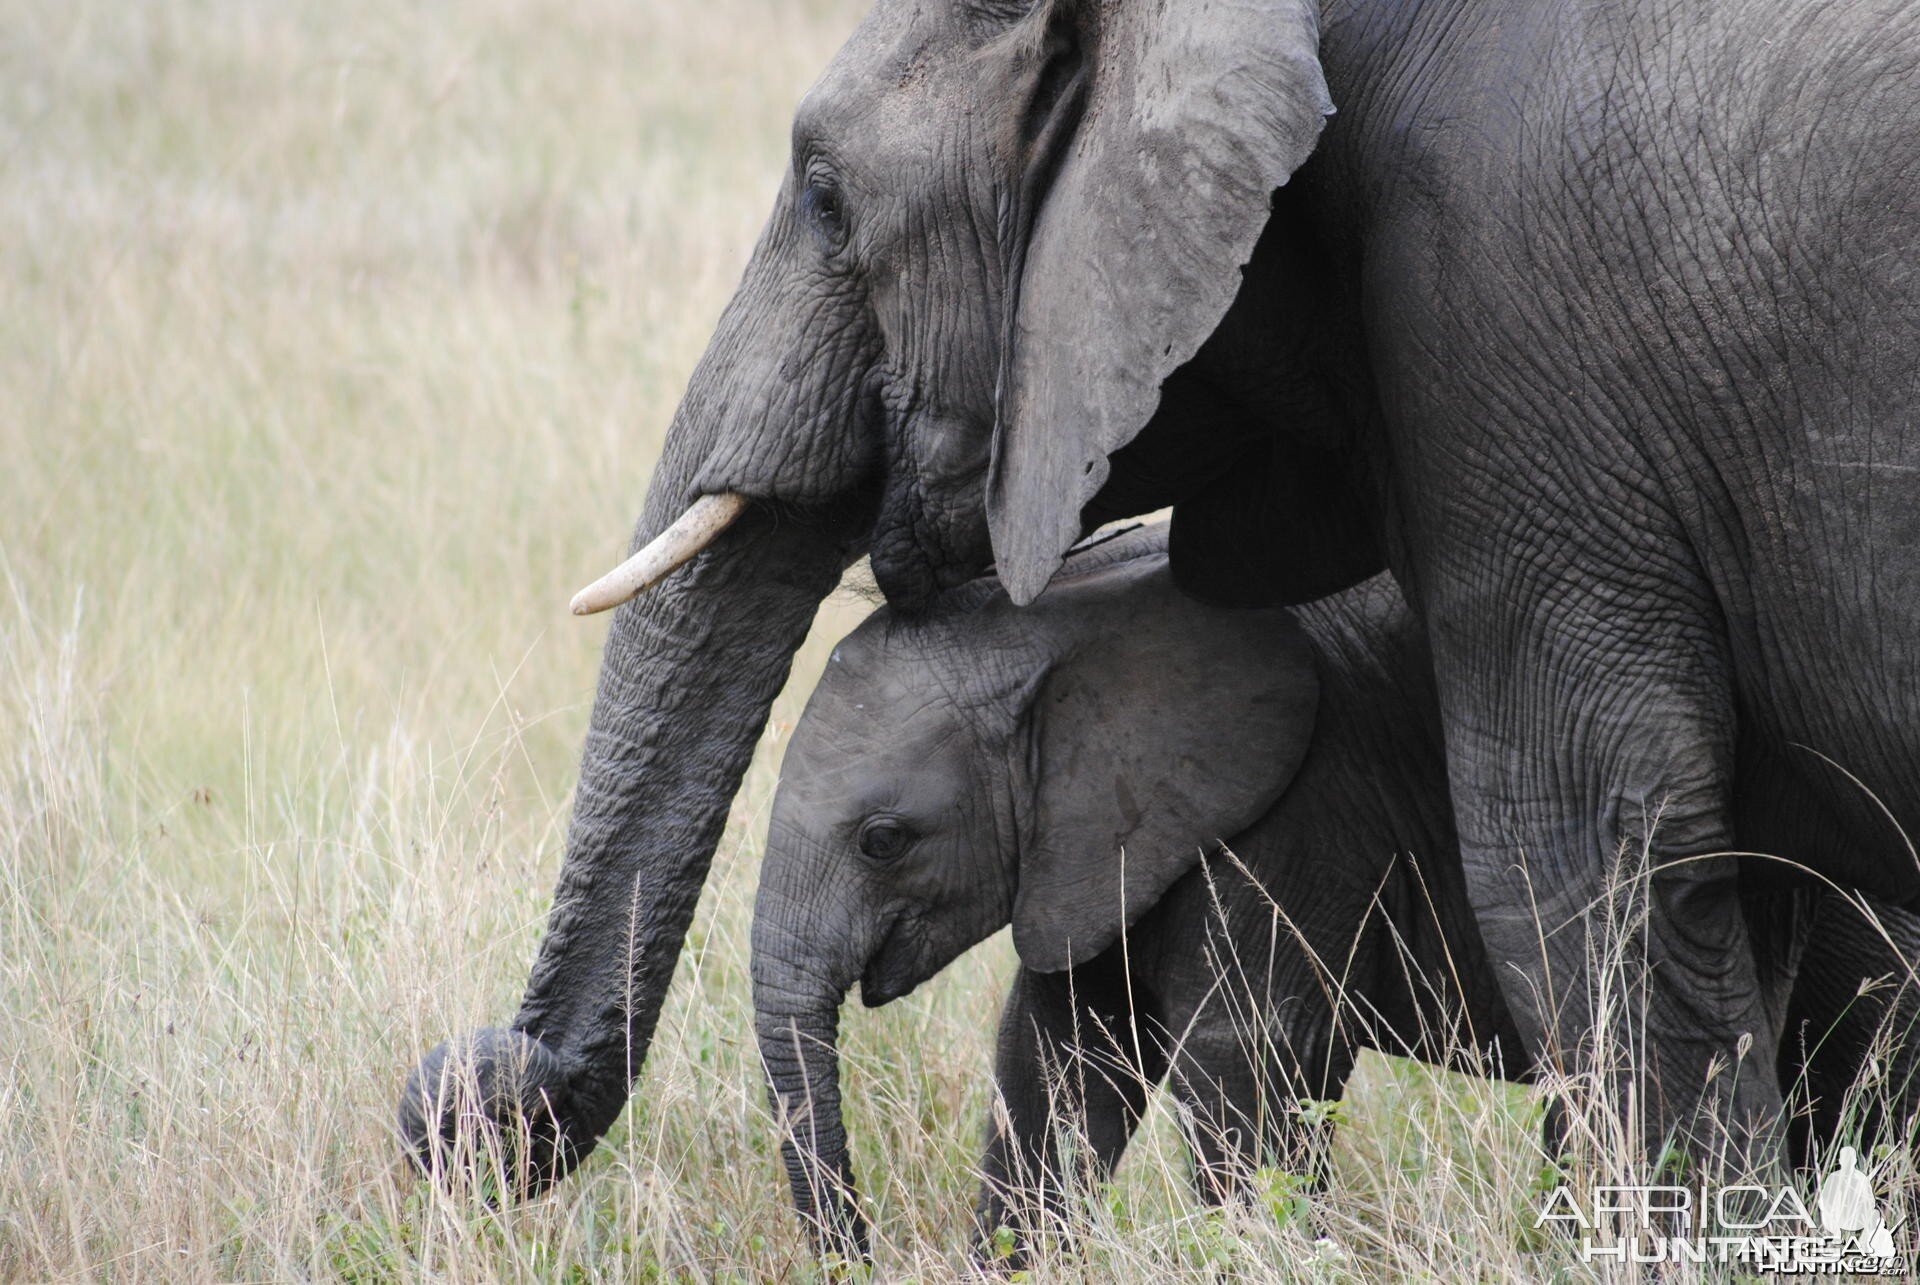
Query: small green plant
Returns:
{"type": "Point", "coordinates": [1323, 1112]}
{"type": "Point", "coordinates": [1284, 1193]}
{"type": "Point", "coordinates": [1549, 1177]}
{"type": "Point", "coordinates": [1675, 1164]}
{"type": "Point", "coordinates": [1205, 1242]}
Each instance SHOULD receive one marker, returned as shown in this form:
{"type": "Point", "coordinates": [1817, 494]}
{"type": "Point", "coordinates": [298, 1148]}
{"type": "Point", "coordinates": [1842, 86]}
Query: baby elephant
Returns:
{"type": "Point", "coordinates": [1066, 767]}
{"type": "Point", "coordinates": [1070, 767]}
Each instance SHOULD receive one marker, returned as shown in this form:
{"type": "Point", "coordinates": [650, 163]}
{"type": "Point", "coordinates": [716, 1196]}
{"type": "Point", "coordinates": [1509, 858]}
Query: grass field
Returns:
{"type": "Point", "coordinates": [338, 340]}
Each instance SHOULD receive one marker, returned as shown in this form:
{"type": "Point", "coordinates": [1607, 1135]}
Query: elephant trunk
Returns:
{"type": "Point", "coordinates": [799, 1043]}
{"type": "Point", "coordinates": [808, 942]}
{"type": "Point", "coordinates": [686, 681]}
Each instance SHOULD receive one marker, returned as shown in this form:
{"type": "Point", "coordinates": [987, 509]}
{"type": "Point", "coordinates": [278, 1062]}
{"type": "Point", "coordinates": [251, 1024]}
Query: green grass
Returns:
{"type": "Point", "coordinates": [338, 340]}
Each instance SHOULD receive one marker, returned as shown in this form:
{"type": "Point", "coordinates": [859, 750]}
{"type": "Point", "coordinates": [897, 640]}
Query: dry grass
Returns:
{"type": "Point", "coordinates": [338, 339]}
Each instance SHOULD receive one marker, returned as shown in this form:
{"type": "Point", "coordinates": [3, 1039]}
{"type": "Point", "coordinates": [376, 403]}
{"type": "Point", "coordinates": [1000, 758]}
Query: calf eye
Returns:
{"type": "Point", "coordinates": [822, 210]}
{"type": "Point", "coordinates": [883, 839]}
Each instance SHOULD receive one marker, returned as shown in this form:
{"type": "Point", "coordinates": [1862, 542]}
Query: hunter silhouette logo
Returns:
{"type": "Point", "coordinates": [1849, 1211]}
{"type": "Point", "coordinates": [1766, 1230]}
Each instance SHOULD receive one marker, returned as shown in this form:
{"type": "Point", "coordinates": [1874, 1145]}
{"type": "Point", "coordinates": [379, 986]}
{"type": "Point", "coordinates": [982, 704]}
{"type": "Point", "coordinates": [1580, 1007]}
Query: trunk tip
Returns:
{"type": "Point", "coordinates": [491, 1105]}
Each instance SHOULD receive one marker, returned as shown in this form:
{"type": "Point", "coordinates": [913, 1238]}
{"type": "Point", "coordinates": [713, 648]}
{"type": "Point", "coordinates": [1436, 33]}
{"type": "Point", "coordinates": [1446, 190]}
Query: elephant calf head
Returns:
{"type": "Point", "coordinates": [1057, 767]}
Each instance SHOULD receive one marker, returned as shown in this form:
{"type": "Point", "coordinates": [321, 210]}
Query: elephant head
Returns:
{"type": "Point", "coordinates": [997, 213]}
{"type": "Point", "coordinates": [1057, 767]}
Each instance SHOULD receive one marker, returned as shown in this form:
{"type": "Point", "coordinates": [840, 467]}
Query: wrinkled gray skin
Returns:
{"type": "Point", "coordinates": [1591, 320]}
{"type": "Point", "coordinates": [1856, 1004]}
{"type": "Point", "coordinates": [983, 764]}
{"type": "Point", "coordinates": [986, 764]}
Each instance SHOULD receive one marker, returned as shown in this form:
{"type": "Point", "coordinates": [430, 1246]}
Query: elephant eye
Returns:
{"type": "Point", "coordinates": [884, 839]}
{"type": "Point", "coordinates": [824, 213]}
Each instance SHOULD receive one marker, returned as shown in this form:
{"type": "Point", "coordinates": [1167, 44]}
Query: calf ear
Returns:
{"type": "Point", "coordinates": [1162, 728]}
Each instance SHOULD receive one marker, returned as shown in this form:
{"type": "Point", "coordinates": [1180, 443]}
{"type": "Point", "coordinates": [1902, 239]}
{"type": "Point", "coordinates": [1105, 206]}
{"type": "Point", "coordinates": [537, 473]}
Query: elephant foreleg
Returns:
{"type": "Point", "coordinates": [1591, 775]}
{"type": "Point", "coordinates": [1853, 1030]}
{"type": "Point", "coordinates": [1074, 1068]}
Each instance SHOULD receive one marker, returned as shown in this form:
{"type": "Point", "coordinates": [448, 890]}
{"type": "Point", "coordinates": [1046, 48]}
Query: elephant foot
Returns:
{"type": "Point", "coordinates": [489, 1110]}
{"type": "Point", "coordinates": [1001, 1252]}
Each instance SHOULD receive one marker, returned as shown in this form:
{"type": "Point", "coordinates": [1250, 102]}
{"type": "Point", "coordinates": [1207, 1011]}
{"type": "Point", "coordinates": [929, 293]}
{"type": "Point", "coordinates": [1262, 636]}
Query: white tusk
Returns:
{"type": "Point", "coordinates": [695, 529]}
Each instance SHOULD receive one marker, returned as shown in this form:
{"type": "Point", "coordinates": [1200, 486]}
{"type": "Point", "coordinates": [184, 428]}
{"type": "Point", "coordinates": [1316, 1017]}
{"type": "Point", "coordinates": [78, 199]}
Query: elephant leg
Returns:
{"type": "Point", "coordinates": [1592, 771]}
{"type": "Point", "coordinates": [1247, 1082]}
{"type": "Point", "coordinates": [1853, 1031]}
{"type": "Point", "coordinates": [1075, 1063]}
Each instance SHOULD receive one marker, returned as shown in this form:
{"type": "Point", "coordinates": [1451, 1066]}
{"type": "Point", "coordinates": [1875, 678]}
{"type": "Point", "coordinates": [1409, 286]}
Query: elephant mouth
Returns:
{"type": "Point", "coordinates": [920, 549]}
{"type": "Point", "coordinates": [876, 994]}
{"type": "Point", "coordinates": [910, 575]}
{"type": "Point", "coordinates": [887, 976]}
{"type": "Point", "coordinates": [882, 984]}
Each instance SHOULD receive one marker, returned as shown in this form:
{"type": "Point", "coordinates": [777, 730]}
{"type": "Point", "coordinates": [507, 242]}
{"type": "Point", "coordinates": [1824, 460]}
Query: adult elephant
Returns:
{"type": "Point", "coordinates": [1594, 321]}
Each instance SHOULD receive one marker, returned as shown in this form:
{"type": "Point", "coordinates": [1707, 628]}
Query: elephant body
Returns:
{"type": "Point", "coordinates": [929, 798]}
{"type": "Point", "coordinates": [1337, 921]}
{"type": "Point", "coordinates": [1664, 324]}
{"type": "Point", "coordinates": [1591, 322]}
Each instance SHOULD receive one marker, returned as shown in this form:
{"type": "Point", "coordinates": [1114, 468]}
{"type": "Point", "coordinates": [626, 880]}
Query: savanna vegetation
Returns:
{"type": "Point", "coordinates": [338, 339]}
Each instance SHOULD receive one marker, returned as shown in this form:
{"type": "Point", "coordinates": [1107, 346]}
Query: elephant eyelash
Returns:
{"type": "Point", "coordinates": [885, 838]}
{"type": "Point", "coordinates": [823, 210]}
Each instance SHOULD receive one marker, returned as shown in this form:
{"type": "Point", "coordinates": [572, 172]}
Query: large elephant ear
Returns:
{"type": "Point", "coordinates": [1191, 113]}
{"type": "Point", "coordinates": [1161, 728]}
